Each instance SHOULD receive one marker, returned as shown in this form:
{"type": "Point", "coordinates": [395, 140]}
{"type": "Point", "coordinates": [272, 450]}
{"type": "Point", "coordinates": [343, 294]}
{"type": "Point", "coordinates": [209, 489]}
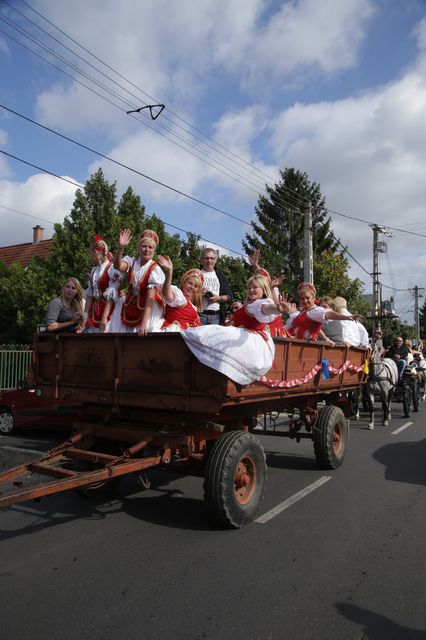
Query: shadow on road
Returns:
{"type": "Point", "coordinates": [290, 461]}
{"type": "Point", "coordinates": [158, 504]}
{"type": "Point", "coordinates": [404, 461]}
{"type": "Point", "coordinates": [376, 626]}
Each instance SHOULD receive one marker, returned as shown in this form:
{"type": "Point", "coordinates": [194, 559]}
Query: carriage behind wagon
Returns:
{"type": "Point", "coordinates": [149, 403]}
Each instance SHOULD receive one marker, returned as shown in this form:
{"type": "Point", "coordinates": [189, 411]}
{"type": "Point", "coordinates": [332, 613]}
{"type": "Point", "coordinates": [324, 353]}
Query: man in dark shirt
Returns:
{"type": "Point", "coordinates": [398, 352]}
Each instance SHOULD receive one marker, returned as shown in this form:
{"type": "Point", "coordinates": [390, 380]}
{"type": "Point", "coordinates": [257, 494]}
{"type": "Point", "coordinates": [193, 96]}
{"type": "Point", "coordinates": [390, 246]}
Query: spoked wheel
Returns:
{"type": "Point", "coordinates": [235, 479]}
{"type": "Point", "coordinates": [330, 437]}
{"type": "Point", "coordinates": [406, 401]}
{"type": "Point", "coordinates": [415, 394]}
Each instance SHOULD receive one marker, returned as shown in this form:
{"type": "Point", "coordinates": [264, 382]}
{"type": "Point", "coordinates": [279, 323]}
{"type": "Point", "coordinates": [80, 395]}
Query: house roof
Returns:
{"type": "Point", "coordinates": [23, 253]}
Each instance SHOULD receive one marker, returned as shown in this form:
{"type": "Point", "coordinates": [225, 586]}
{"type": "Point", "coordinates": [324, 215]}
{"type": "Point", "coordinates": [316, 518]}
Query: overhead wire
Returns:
{"type": "Point", "coordinates": [244, 180]}
{"type": "Point", "coordinates": [290, 195]}
{"type": "Point", "coordinates": [79, 186]}
{"type": "Point", "coordinates": [296, 197]}
{"type": "Point", "coordinates": [191, 126]}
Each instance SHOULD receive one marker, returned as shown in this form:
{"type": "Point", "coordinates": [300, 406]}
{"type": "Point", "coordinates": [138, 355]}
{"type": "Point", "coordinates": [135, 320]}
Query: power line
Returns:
{"type": "Point", "coordinates": [295, 196]}
{"type": "Point", "coordinates": [123, 165]}
{"type": "Point", "coordinates": [214, 163]}
{"type": "Point", "coordinates": [55, 175]}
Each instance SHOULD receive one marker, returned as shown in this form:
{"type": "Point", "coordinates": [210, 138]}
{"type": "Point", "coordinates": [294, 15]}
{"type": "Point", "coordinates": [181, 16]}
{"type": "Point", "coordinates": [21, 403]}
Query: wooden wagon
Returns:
{"type": "Point", "coordinates": [148, 402]}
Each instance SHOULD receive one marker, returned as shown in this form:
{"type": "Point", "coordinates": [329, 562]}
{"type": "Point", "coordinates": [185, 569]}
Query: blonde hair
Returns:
{"type": "Point", "coordinates": [262, 282]}
{"type": "Point", "coordinates": [328, 300]}
{"type": "Point", "coordinates": [197, 299]}
{"type": "Point", "coordinates": [77, 304]}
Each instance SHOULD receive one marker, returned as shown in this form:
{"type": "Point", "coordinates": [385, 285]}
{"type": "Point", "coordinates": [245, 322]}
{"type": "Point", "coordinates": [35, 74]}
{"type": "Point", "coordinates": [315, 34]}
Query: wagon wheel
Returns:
{"type": "Point", "coordinates": [330, 437]}
{"type": "Point", "coordinates": [415, 394]}
{"type": "Point", "coordinates": [235, 479]}
{"type": "Point", "coordinates": [406, 401]}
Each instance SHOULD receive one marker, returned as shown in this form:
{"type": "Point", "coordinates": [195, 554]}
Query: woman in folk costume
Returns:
{"type": "Point", "coordinates": [276, 327]}
{"type": "Point", "coordinates": [142, 309]}
{"type": "Point", "coordinates": [181, 305]}
{"type": "Point", "coordinates": [103, 291]}
{"type": "Point", "coordinates": [245, 350]}
{"type": "Point", "coordinates": [307, 323]}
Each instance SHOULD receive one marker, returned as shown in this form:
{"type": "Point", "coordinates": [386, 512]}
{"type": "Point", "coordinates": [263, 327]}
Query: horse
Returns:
{"type": "Point", "coordinates": [382, 379]}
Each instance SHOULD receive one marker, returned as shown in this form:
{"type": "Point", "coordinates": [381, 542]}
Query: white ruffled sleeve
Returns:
{"type": "Point", "coordinates": [179, 299]}
{"type": "Point", "coordinates": [255, 309]}
{"type": "Point", "coordinates": [114, 276]}
{"type": "Point", "coordinates": [129, 261]}
{"type": "Point", "coordinates": [156, 278]}
{"type": "Point", "coordinates": [317, 314]}
{"type": "Point", "coordinates": [290, 319]}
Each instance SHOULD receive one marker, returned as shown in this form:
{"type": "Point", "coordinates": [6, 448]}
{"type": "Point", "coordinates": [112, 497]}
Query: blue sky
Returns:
{"type": "Point", "coordinates": [336, 89]}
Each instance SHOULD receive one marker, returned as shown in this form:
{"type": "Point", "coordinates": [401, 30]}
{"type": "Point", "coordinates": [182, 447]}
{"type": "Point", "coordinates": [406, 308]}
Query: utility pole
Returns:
{"type": "Point", "coordinates": [417, 295]}
{"type": "Point", "coordinates": [308, 260]}
{"type": "Point", "coordinates": [378, 247]}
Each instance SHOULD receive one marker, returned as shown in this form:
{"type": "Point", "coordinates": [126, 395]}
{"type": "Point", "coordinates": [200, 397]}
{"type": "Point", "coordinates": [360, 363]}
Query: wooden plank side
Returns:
{"type": "Point", "coordinates": [158, 372]}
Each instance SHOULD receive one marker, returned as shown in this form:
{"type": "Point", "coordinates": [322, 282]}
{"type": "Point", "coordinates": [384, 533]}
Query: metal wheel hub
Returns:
{"type": "Point", "coordinates": [245, 480]}
{"type": "Point", "coordinates": [6, 422]}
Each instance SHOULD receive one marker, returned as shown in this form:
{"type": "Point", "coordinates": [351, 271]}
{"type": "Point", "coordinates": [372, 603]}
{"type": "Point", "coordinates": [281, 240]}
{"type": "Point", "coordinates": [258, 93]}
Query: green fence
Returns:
{"type": "Point", "coordinates": [14, 363]}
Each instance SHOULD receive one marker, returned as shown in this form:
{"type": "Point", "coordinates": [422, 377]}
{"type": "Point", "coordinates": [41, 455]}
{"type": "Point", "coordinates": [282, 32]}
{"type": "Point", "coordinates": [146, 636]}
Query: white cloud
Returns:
{"type": "Point", "coordinates": [175, 51]}
{"type": "Point", "coordinates": [41, 199]}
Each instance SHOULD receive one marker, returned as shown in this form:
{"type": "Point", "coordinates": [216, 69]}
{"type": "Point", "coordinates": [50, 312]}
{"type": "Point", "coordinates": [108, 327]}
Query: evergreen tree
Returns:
{"type": "Point", "coordinates": [279, 223]}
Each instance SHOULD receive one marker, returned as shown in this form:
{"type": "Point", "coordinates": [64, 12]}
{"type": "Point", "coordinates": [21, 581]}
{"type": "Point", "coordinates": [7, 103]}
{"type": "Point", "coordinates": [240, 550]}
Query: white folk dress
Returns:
{"type": "Point", "coordinates": [156, 280]}
{"type": "Point", "coordinates": [104, 284]}
{"type": "Point", "coordinates": [238, 353]}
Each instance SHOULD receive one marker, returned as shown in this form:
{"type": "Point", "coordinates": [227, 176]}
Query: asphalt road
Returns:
{"type": "Point", "coordinates": [346, 561]}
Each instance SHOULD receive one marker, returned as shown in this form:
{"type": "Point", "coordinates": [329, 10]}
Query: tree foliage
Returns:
{"type": "Point", "coordinates": [279, 224]}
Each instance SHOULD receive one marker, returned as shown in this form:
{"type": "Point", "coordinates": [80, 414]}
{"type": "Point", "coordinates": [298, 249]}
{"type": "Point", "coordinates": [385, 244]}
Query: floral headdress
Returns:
{"type": "Point", "coordinates": [149, 233]}
{"type": "Point", "coordinates": [306, 287]}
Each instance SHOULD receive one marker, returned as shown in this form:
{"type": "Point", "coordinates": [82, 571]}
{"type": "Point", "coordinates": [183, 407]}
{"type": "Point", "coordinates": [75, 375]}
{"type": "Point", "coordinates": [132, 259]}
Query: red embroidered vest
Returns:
{"type": "Point", "coordinates": [98, 304]}
{"type": "Point", "coordinates": [185, 316]}
{"type": "Point", "coordinates": [241, 318]}
{"type": "Point", "coordinates": [134, 305]}
{"type": "Point", "coordinates": [303, 323]}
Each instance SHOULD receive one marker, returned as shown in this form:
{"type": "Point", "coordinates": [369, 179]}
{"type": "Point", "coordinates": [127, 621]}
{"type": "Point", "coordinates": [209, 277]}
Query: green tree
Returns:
{"type": "Point", "coordinates": [278, 226]}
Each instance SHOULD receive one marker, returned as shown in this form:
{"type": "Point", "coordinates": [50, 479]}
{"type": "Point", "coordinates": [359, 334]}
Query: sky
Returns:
{"type": "Point", "coordinates": [250, 87]}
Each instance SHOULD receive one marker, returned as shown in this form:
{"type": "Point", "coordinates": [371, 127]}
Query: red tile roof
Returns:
{"type": "Point", "coordinates": [23, 253]}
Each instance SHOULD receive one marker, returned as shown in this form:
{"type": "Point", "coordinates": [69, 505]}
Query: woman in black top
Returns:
{"type": "Point", "coordinates": [65, 313]}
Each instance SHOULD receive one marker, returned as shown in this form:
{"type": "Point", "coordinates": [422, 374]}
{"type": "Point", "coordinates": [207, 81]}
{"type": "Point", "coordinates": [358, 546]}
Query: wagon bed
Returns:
{"type": "Point", "coordinates": [149, 402]}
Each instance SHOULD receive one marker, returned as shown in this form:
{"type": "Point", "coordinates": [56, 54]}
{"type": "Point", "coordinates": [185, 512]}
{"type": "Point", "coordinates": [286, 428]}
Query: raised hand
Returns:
{"type": "Point", "coordinates": [275, 282]}
{"type": "Point", "coordinates": [165, 262]}
{"type": "Point", "coordinates": [254, 258]}
{"type": "Point", "coordinates": [124, 237]}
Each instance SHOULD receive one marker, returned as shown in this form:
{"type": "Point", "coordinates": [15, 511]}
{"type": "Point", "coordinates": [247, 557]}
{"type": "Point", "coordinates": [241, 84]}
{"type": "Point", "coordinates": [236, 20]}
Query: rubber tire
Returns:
{"type": "Point", "coordinates": [415, 395]}
{"type": "Point", "coordinates": [220, 491]}
{"type": "Point", "coordinates": [331, 422]}
{"type": "Point", "coordinates": [7, 422]}
{"type": "Point", "coordinates": [406, 401]}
